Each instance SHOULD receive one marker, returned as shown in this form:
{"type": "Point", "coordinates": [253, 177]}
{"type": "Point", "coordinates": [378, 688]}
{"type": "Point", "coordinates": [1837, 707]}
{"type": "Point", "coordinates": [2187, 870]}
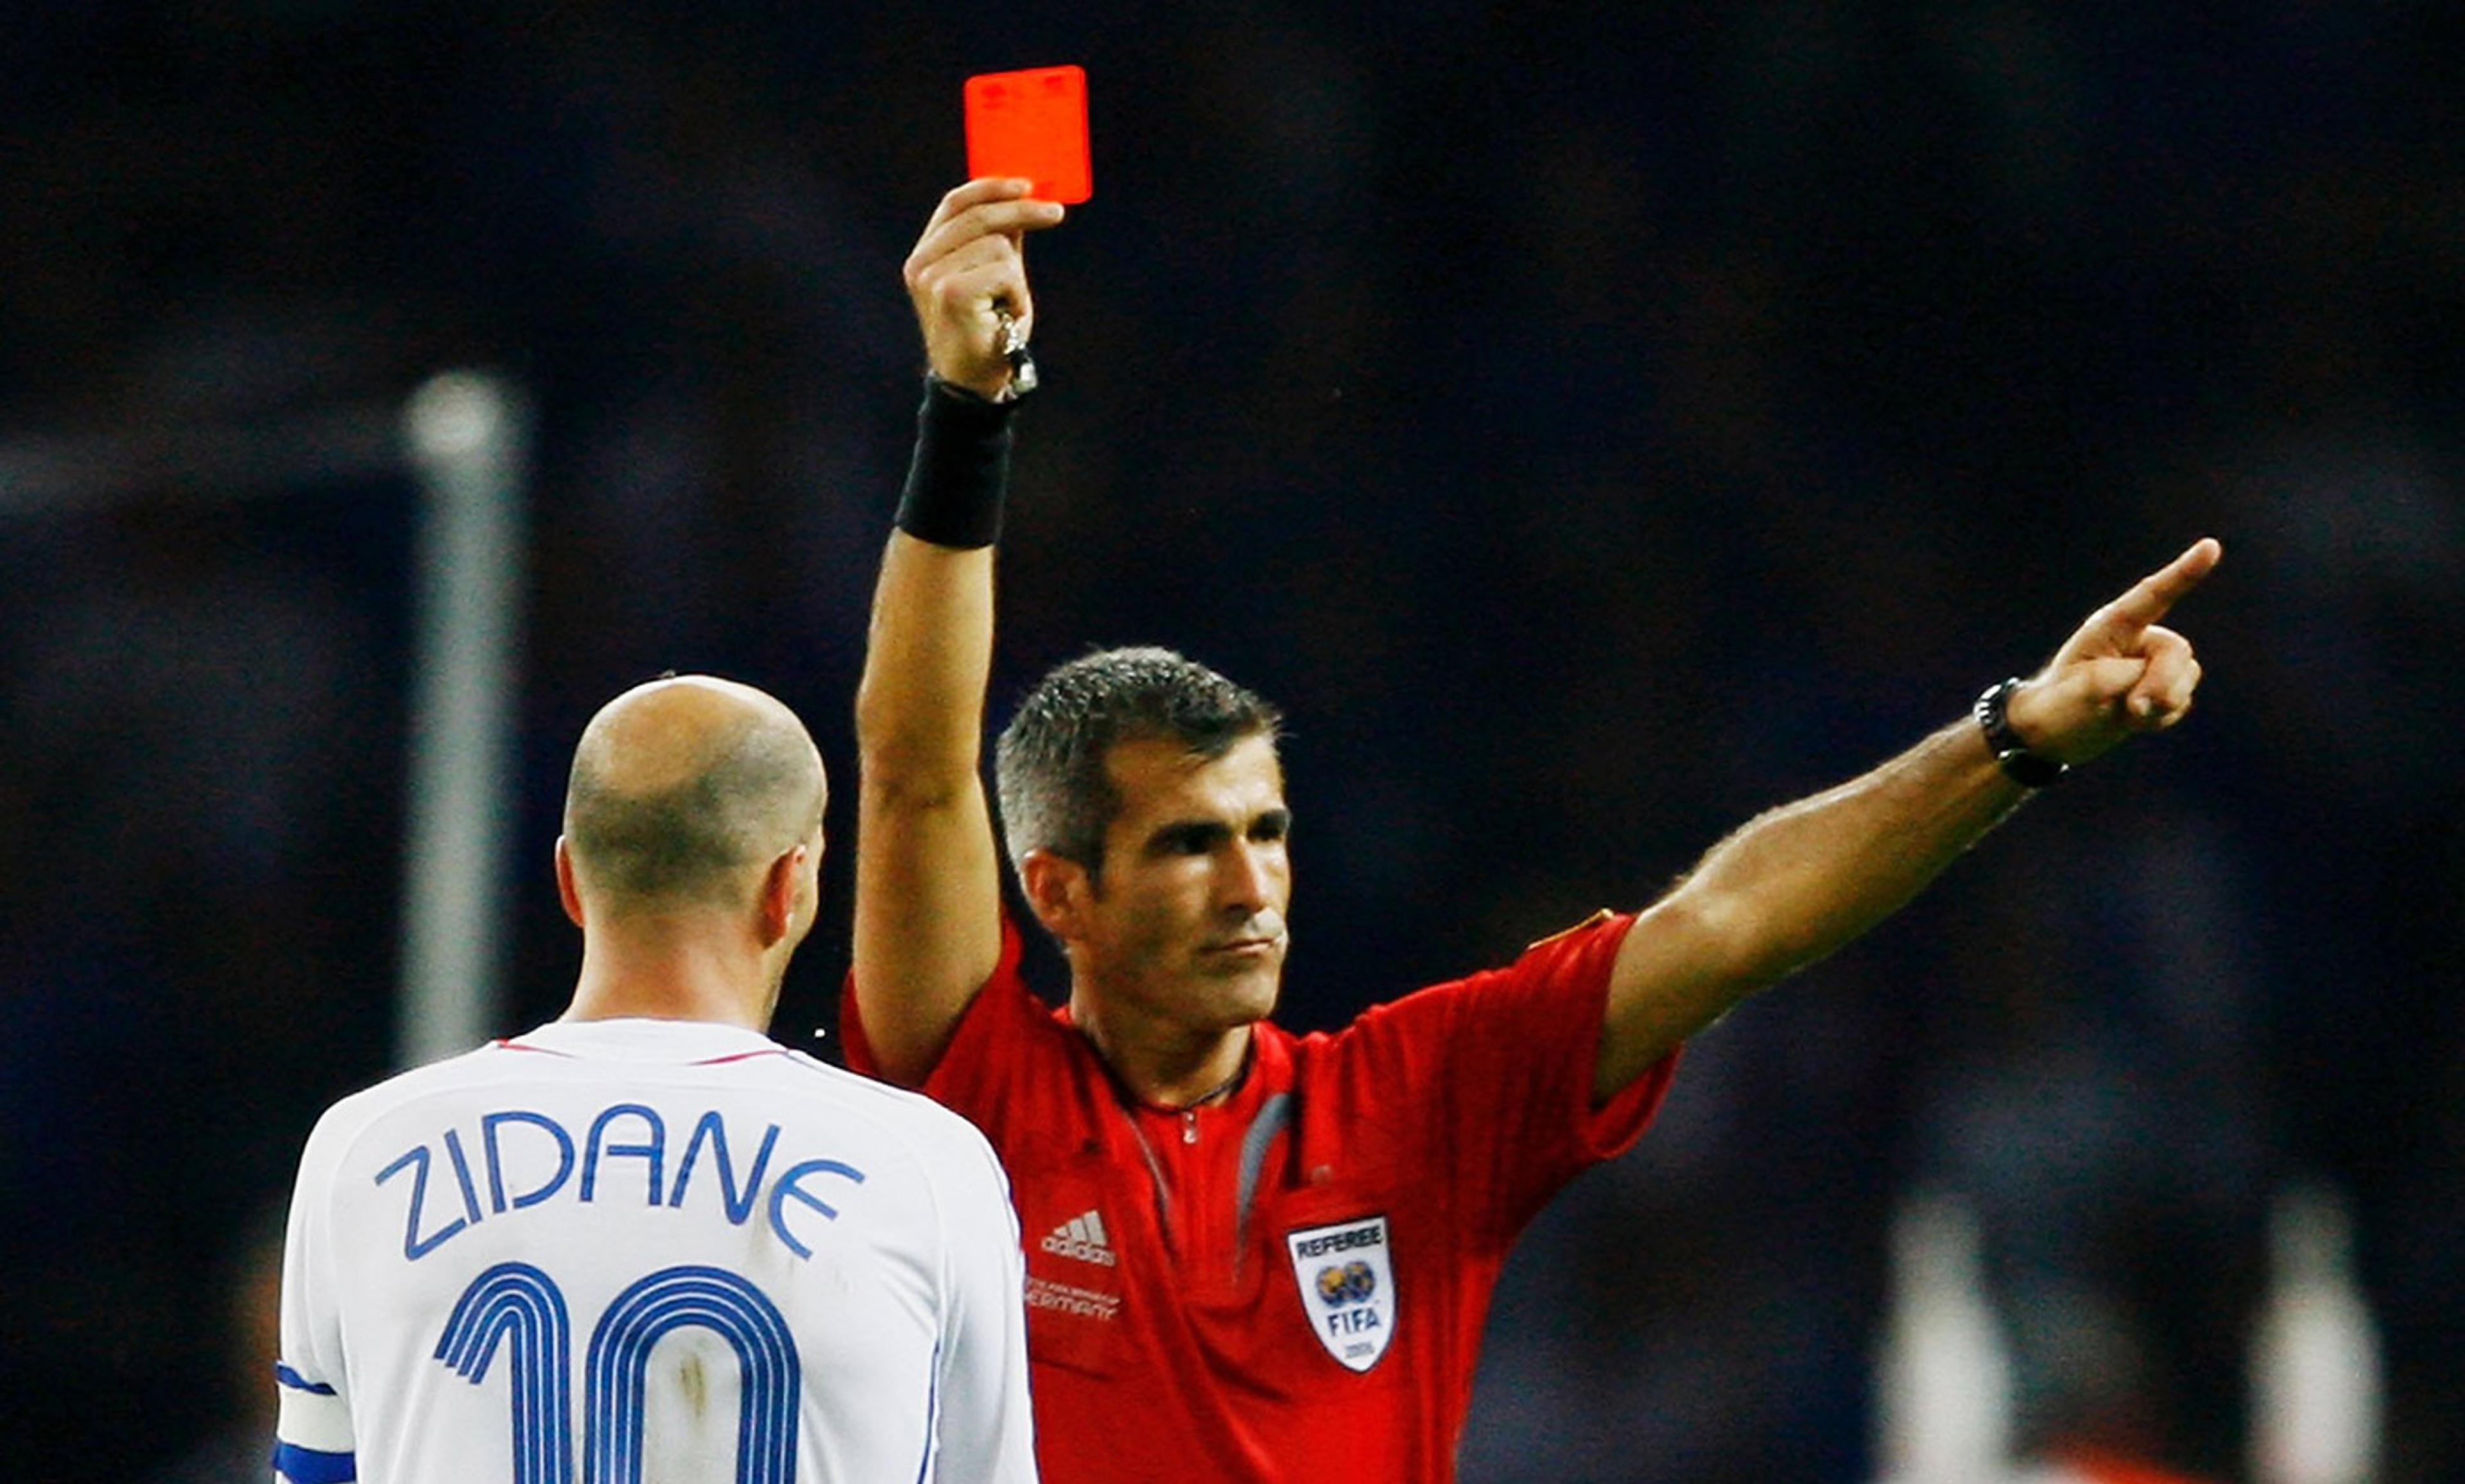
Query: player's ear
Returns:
{"type": "Point", "coordinates": [565, 891]}
{"type": "Point", "coordinates": [1058, 892]}
{"type": "Point", "coordinates": [781, 885]}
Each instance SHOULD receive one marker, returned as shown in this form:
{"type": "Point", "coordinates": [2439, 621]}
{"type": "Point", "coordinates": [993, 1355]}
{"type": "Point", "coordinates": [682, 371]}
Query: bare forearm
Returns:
{"type": "Point", "coordinates": [1792, 886]}
{"type": "Point", "coordinates": [927, 927]}
{"type": "Point", "coordinates": [1800, 881]}
{"type": "Point", "coordinates": [920, 706]}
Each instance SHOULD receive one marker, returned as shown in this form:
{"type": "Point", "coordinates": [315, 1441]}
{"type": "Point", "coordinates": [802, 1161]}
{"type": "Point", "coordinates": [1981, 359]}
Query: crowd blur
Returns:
{"type": "Point", "coordinates": [1590, 424]}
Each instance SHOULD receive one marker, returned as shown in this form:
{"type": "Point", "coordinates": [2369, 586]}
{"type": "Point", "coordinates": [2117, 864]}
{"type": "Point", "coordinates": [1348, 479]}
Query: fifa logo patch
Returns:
{"type": "Point", "coordinates": [1347, 1283]}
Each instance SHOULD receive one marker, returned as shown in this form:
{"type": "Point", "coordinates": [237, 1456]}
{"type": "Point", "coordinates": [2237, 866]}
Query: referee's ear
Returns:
{"type": "Point", "coordinates": [565, 891]}
{"type": "Point", "coordinates": [1056, 890]}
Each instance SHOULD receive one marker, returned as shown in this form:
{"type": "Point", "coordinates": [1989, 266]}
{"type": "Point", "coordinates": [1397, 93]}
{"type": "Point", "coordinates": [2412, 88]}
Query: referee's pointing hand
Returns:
{"type": "Point", "coordinates": [2120, 673]}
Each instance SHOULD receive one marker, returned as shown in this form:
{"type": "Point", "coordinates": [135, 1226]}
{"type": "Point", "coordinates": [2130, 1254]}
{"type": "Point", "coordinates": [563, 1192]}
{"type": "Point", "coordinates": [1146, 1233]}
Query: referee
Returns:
{"type": "Point", "coordinates": [1254, 1255]}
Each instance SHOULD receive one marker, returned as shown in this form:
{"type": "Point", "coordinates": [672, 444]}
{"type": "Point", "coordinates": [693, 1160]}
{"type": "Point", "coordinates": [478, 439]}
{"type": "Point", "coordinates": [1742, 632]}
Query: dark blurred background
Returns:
{"type": "Point", "coordinates": [1591, 425]}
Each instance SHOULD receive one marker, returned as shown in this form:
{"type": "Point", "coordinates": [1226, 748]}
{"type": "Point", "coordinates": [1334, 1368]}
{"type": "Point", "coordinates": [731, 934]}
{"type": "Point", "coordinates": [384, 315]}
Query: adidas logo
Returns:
{"type": "Point", "coordinates": [1081, 1237]}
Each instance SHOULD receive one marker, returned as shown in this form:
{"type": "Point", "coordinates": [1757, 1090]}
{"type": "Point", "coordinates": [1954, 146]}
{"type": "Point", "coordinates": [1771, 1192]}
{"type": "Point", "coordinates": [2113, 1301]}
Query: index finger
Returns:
{"type": "Point", "coordinates": [2149, 598]}
{"type": "Point", "coordinates": [967, 195]}
{"type": "Point", "coordinates": [999, 214]}
{"type": "Point", "coordinates": [983, 188]}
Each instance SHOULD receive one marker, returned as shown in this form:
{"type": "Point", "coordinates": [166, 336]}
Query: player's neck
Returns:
{"type": "Point", "coordinates": [671, 976]}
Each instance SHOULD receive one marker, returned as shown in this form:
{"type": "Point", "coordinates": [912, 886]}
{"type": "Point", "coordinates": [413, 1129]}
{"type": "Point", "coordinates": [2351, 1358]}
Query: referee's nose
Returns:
{"type": "Point", "coordinates": [1248, 876]}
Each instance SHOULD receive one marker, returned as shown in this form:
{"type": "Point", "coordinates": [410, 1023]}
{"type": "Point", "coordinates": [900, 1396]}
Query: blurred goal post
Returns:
{"type": "Point", "coordinates": [463, 438]}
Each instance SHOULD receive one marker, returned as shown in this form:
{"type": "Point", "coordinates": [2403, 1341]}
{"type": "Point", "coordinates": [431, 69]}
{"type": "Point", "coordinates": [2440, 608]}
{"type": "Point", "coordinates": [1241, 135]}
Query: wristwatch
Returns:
{"type": "Point", "coordinates": [2029, 769]}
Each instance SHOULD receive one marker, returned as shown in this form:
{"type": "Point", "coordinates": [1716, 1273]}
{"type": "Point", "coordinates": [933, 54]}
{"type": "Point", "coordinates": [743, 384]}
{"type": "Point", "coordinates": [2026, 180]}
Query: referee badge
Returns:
{"type": "Point", "coordinates": [1347, 1283]}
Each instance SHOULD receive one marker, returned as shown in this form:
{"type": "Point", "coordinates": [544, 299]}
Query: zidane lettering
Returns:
{"type": "Point", "coordinates": [524, 1158]}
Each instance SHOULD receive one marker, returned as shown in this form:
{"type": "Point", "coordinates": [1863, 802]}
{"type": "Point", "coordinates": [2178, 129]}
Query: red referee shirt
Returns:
{"type": "Point", "coordinates": [1290, 1284]}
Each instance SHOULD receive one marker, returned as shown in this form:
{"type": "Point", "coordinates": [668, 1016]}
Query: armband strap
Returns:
{"type": "Point", "coordinates": [961, 470]}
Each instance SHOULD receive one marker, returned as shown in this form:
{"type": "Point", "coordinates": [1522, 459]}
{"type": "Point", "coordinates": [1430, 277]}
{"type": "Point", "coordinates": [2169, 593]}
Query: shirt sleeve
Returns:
{"type": "Point", "coordinates": [312, 1438]}
{"type": "Point", "coordinates": [1505, 1060]}
{"type": "Point", "coordinates": [983, 1429]}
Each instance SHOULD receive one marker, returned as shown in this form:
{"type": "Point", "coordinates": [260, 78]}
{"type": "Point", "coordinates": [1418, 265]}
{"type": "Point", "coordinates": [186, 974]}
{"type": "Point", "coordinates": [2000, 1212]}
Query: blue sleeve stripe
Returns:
{"type": "Point", "coordinates": [298, 1382]}
{"type": "Point", "coordinates": [307, 1466]}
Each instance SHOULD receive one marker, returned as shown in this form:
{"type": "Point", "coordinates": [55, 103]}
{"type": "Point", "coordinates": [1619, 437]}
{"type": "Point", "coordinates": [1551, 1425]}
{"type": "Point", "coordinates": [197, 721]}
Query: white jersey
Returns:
{"type": "Point", "coordinates": [638, 1249]}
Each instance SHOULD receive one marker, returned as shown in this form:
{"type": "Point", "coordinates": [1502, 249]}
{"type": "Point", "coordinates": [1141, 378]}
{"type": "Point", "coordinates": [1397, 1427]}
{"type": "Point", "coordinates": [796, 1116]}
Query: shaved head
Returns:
{"type": "Point", "coordinates": [684, 790]}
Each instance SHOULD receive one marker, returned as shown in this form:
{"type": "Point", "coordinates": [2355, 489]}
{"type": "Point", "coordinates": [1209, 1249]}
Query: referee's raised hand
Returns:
{"type": "Point", "coordinates": [967, 271]}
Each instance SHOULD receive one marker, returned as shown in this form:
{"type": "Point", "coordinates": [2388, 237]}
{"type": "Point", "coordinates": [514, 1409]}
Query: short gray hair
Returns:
{"type": "Point", "coordinates": [1048, 763]}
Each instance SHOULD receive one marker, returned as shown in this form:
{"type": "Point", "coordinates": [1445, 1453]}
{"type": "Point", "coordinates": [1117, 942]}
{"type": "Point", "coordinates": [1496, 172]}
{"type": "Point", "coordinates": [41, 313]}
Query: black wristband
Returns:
{"type": "Point", "coordinates": [961, 468]}
{"type": "Point", "coordinates": [2029, 769]}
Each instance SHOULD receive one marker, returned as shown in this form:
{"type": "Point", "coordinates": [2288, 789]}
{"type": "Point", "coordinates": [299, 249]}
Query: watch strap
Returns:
{"type": "Point", "coordinates": [2029, 769]}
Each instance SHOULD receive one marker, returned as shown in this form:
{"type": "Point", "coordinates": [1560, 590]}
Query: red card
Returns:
{"type": "Point", "coordinates": [1031, 124]}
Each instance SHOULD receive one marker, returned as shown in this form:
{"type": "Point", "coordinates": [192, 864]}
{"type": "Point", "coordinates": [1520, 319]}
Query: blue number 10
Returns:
{"type": "Point", "coordinates": [518, 1306]}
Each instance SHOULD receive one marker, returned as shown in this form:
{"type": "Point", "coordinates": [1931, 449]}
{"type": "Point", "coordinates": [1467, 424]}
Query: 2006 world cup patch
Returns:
{"type": "Point", "coordinates": [1348, 1285]}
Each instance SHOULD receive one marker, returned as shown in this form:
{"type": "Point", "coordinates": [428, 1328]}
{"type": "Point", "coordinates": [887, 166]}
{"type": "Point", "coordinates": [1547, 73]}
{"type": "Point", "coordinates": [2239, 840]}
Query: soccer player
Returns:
{"type": "Point", "coordinates": [1254, 1255]}
{"type": "Point", "coordinates": [644, 1241]}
